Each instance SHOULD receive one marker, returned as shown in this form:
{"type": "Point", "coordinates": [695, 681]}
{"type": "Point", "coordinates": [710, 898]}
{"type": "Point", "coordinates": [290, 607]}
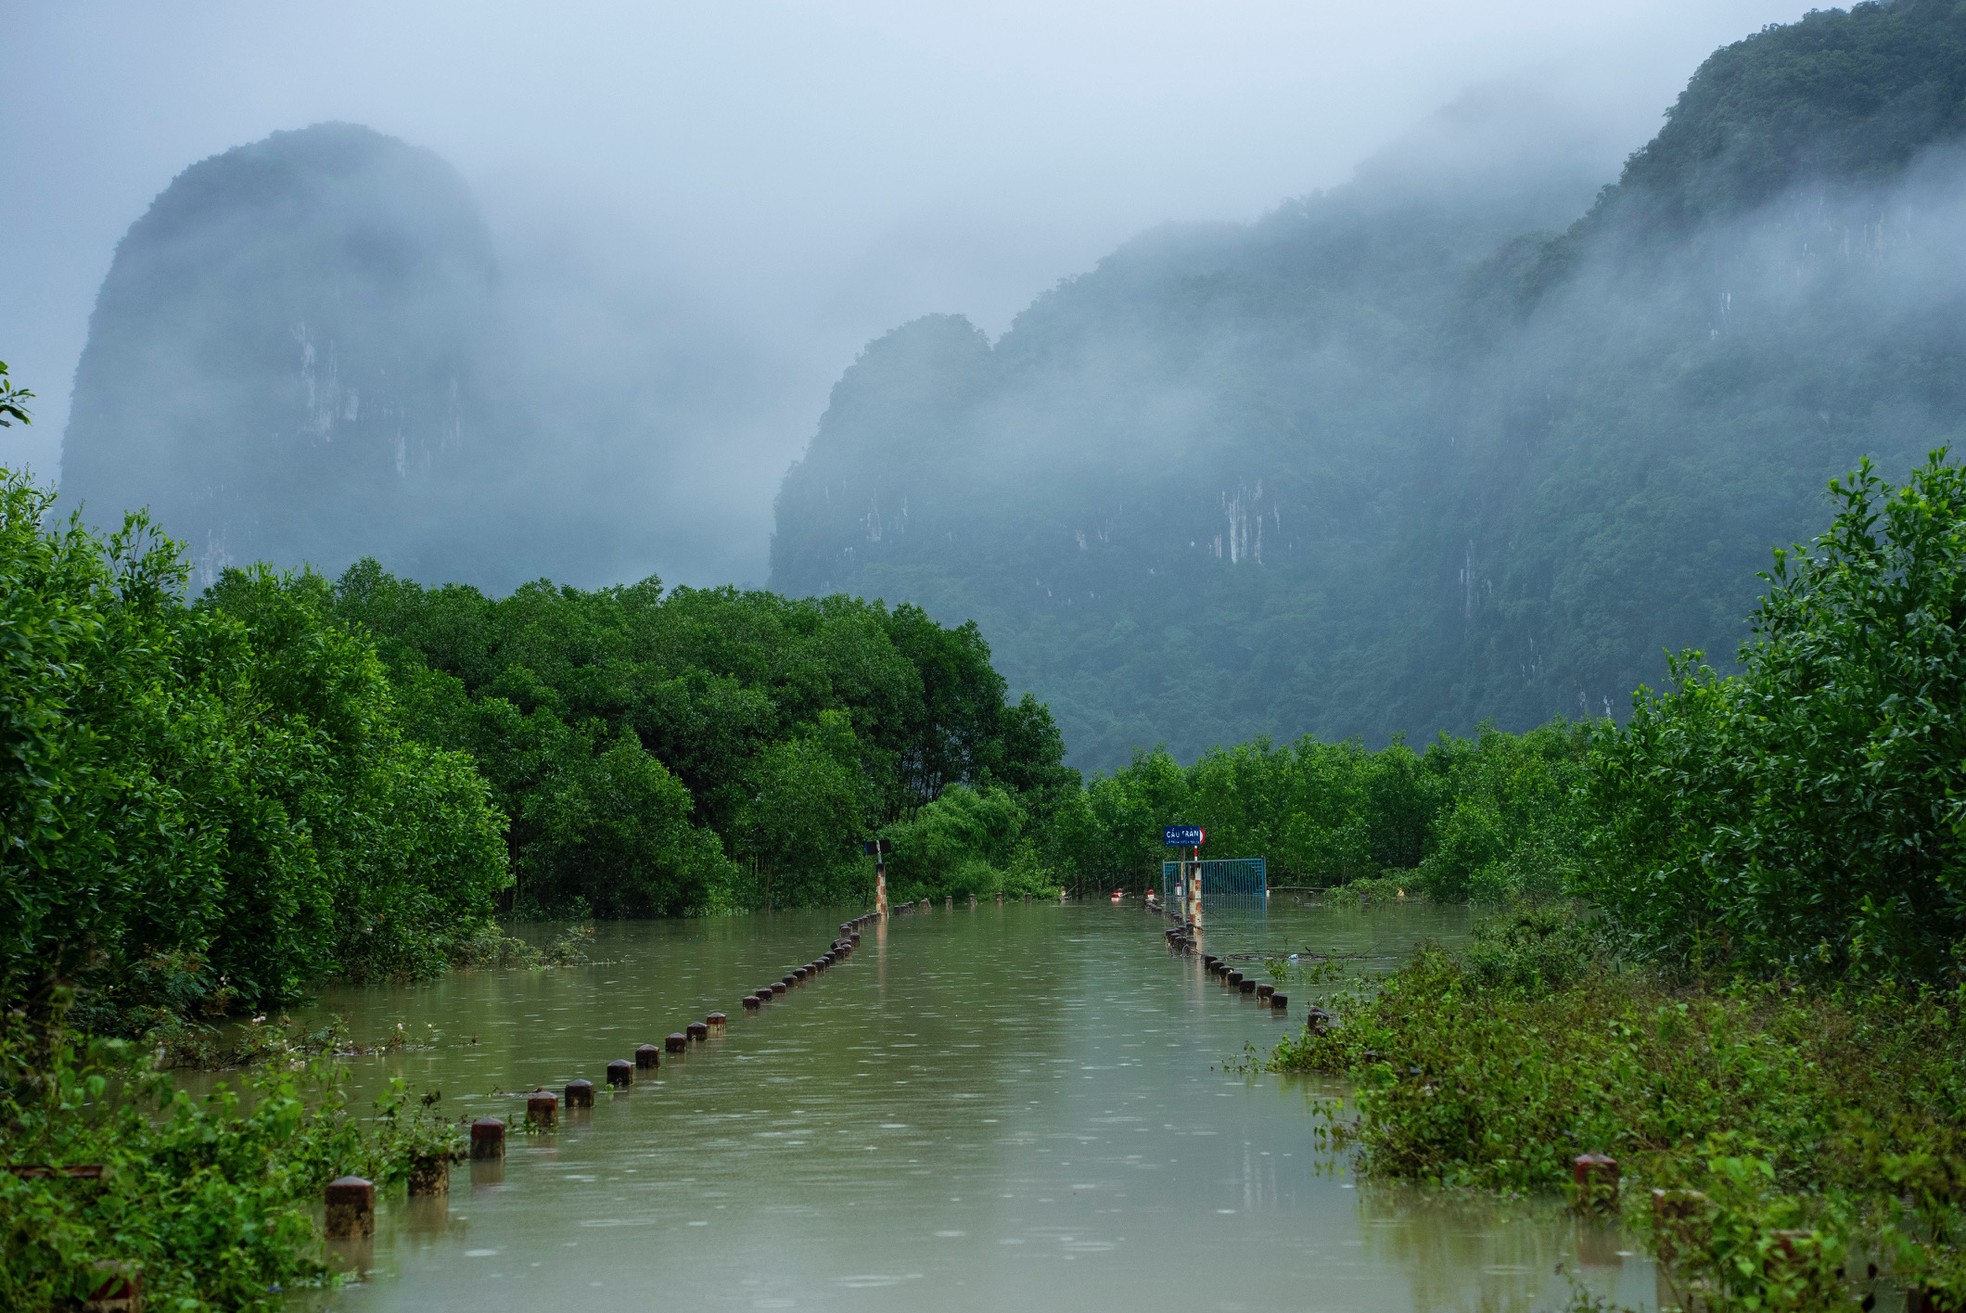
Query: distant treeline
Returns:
{"type": "Point", "coordinates": [1487, 817]}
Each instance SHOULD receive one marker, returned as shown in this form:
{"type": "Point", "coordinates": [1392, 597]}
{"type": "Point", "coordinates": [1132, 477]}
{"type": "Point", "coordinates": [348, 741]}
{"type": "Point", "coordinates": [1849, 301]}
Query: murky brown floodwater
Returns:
{"type": "Point", "coordinates": [1017, 1107]}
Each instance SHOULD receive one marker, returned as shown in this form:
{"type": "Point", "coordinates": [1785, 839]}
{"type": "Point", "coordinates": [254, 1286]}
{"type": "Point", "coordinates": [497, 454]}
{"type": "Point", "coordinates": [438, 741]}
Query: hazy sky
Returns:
{"type": "Point", "coordinates": [815, 173]}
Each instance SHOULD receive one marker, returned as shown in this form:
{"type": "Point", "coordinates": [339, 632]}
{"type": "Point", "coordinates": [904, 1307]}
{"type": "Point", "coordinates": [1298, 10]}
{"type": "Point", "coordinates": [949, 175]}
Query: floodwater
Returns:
{"type": "Point", "coordinates": [1028, 1107]}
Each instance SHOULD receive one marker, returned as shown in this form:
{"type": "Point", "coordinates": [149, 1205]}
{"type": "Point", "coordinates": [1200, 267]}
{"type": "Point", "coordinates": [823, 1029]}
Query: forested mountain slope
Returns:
{"type": "Point", "coordinates": [284, 361]}
{"type": "Point", "coordinates": [1398, 457]}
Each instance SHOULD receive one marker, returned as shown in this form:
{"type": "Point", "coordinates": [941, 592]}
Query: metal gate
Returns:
{"type": "Point", "coordinates": [1241, 882]}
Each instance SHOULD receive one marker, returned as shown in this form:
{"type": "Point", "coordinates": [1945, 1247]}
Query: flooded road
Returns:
{"type": "Point", "coordinates": [1018, 1107]}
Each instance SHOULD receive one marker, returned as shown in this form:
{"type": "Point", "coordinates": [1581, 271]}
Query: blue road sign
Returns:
{"type": "Point", "coordinates": [1183, 836]}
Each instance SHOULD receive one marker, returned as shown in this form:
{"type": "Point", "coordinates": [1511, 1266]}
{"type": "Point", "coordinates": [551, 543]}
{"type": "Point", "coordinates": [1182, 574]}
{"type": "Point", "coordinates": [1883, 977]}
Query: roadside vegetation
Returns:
{"type": "Point", "coordinates": [210, 1201]}
{"type": "Point", "coordinates": [1758, 1009]}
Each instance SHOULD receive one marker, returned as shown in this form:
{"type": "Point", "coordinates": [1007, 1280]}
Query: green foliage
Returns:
{"type": "Point", "coordinates": [967, 843]}
{"type": "Point", "coordinates": [211, 1200]}
{"type": "Point", "coordinates": [11, 397]}
{"type": "Point", "coordinates": [1802, 1119]}
{"type": "Point", "coordinates": [208, 807]}
{"type": "Point", "coordinates": [704, 750]}
{"type": "Point", "coordinates": [1487, 818]}
{"type": "Point", "coordinates": [1807, 814]}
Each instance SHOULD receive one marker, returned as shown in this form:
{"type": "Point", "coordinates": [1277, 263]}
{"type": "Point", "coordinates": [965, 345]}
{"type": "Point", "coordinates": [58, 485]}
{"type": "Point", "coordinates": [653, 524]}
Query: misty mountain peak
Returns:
{"type": "Point", "coordinates": [284, 353]}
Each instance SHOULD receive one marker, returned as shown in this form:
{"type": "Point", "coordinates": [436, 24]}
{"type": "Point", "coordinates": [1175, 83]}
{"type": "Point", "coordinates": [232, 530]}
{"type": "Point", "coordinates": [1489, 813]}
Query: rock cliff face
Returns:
{"type": "Point", "coordinates": [1399, 457]}
{"type": "Point", "coordinates": [285, 360]}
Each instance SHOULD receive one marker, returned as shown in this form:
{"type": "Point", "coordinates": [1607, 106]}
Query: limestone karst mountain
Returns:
{"type": "Point", "coordinates": [1430, 448]}
{"type": "Point", "coordinates": [286, 361]}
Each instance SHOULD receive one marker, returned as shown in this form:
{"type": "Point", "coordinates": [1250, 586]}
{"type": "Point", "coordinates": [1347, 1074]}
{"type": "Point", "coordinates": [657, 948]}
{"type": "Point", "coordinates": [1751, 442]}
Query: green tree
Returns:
{"type": "Point", "coordinates": [212, 806]}
{"type": "Point", "coordinates": [1806, 814]}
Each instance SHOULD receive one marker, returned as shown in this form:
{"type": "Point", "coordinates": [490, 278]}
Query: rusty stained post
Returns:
{"type": "Point", "coordinates": [430, 1174]}
{"type": "Point", "coordinates": [543, 1109]}
{"type": "Point", "coordinates": [351, 1208]}
{"type": "Point", "coordinates": [487, 1139]}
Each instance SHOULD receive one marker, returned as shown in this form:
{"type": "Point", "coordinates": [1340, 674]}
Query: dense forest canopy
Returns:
{"type": "Point", "coordinates": [705, 749]}
{"type": "Point", "coordinates": [1399, 457]}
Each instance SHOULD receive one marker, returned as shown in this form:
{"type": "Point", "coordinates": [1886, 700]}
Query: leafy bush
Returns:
{"type": "Point", "coordinates": [967, 842]}
{"type": "Point", "coordinates": [1808, 814]}
{"type": "Point", "coordinates": [212, 1200]}
{"type": "Point", "coordinates": [208, 807]}
{"type": "Point", "coordinates": [1811, 1125]}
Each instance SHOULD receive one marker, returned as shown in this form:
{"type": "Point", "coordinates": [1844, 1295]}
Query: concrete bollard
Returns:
{"type": "Point", "coordinates": [856, 939]}
{"type": "Point", "coordinates": [972, 902]}
{"type": "Point", "coordinates": [800, 974]}
{"type": "Point", "coordinates": [1596, 1178]}
{"type": "Point", "coordinates": [1027, 900]}
{"type": "Point", "coordinates": [647, 1056]}
{"type": "Point", "coordinates": [580, 1094]}
{"type": "Point", "coordinates": [115, 1288]}
{"type": "Point", "coordinates": [717, 1022]}
{"type": "Point", "coordinates": [1248, 987]}
{"type": "Point", "coordinates": [750, 1002]}
{"type": "Point", "coordinates": [1209, 959]}
{"type": "Point", "coordinates": [430, 1174]}
{"type": "Point", "coordinates": [543, 1109]}
{"type": "Point", "coordinates": [778, 987]}
{"type": "Point", "coordinates": [924, 904]}
{"type": "Point", "coordinates": [351, 1208]}
{"type": "Point", "coordinates": [620, 1074]}
{"type": "Point", "coordinates": [999, 898]}
{"type": "Point", "coordinates": [677, 1042]}
{"type": "Point", "coordinates": [949, 903]}
{"type": "Point", "coordinates": [1279, 1001]}
{"type": "Point", "coordinates": [1264, 991]}
{"type": "Point", "coordinates": [789, 981]}
{"type": "Point", "coordinates": [698, 1031]}
{"type": "Point", "coordinates": [1235, 977]}
{"type": "Point", "coordinates": [487, 1139]}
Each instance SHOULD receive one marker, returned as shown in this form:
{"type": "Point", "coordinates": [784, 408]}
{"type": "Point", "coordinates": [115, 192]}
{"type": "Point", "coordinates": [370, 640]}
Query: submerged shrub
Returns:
{"type": "Point", "coordinates": [212, 1200]}
{"type": "Point", "coordinates": [1816, 1124]}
